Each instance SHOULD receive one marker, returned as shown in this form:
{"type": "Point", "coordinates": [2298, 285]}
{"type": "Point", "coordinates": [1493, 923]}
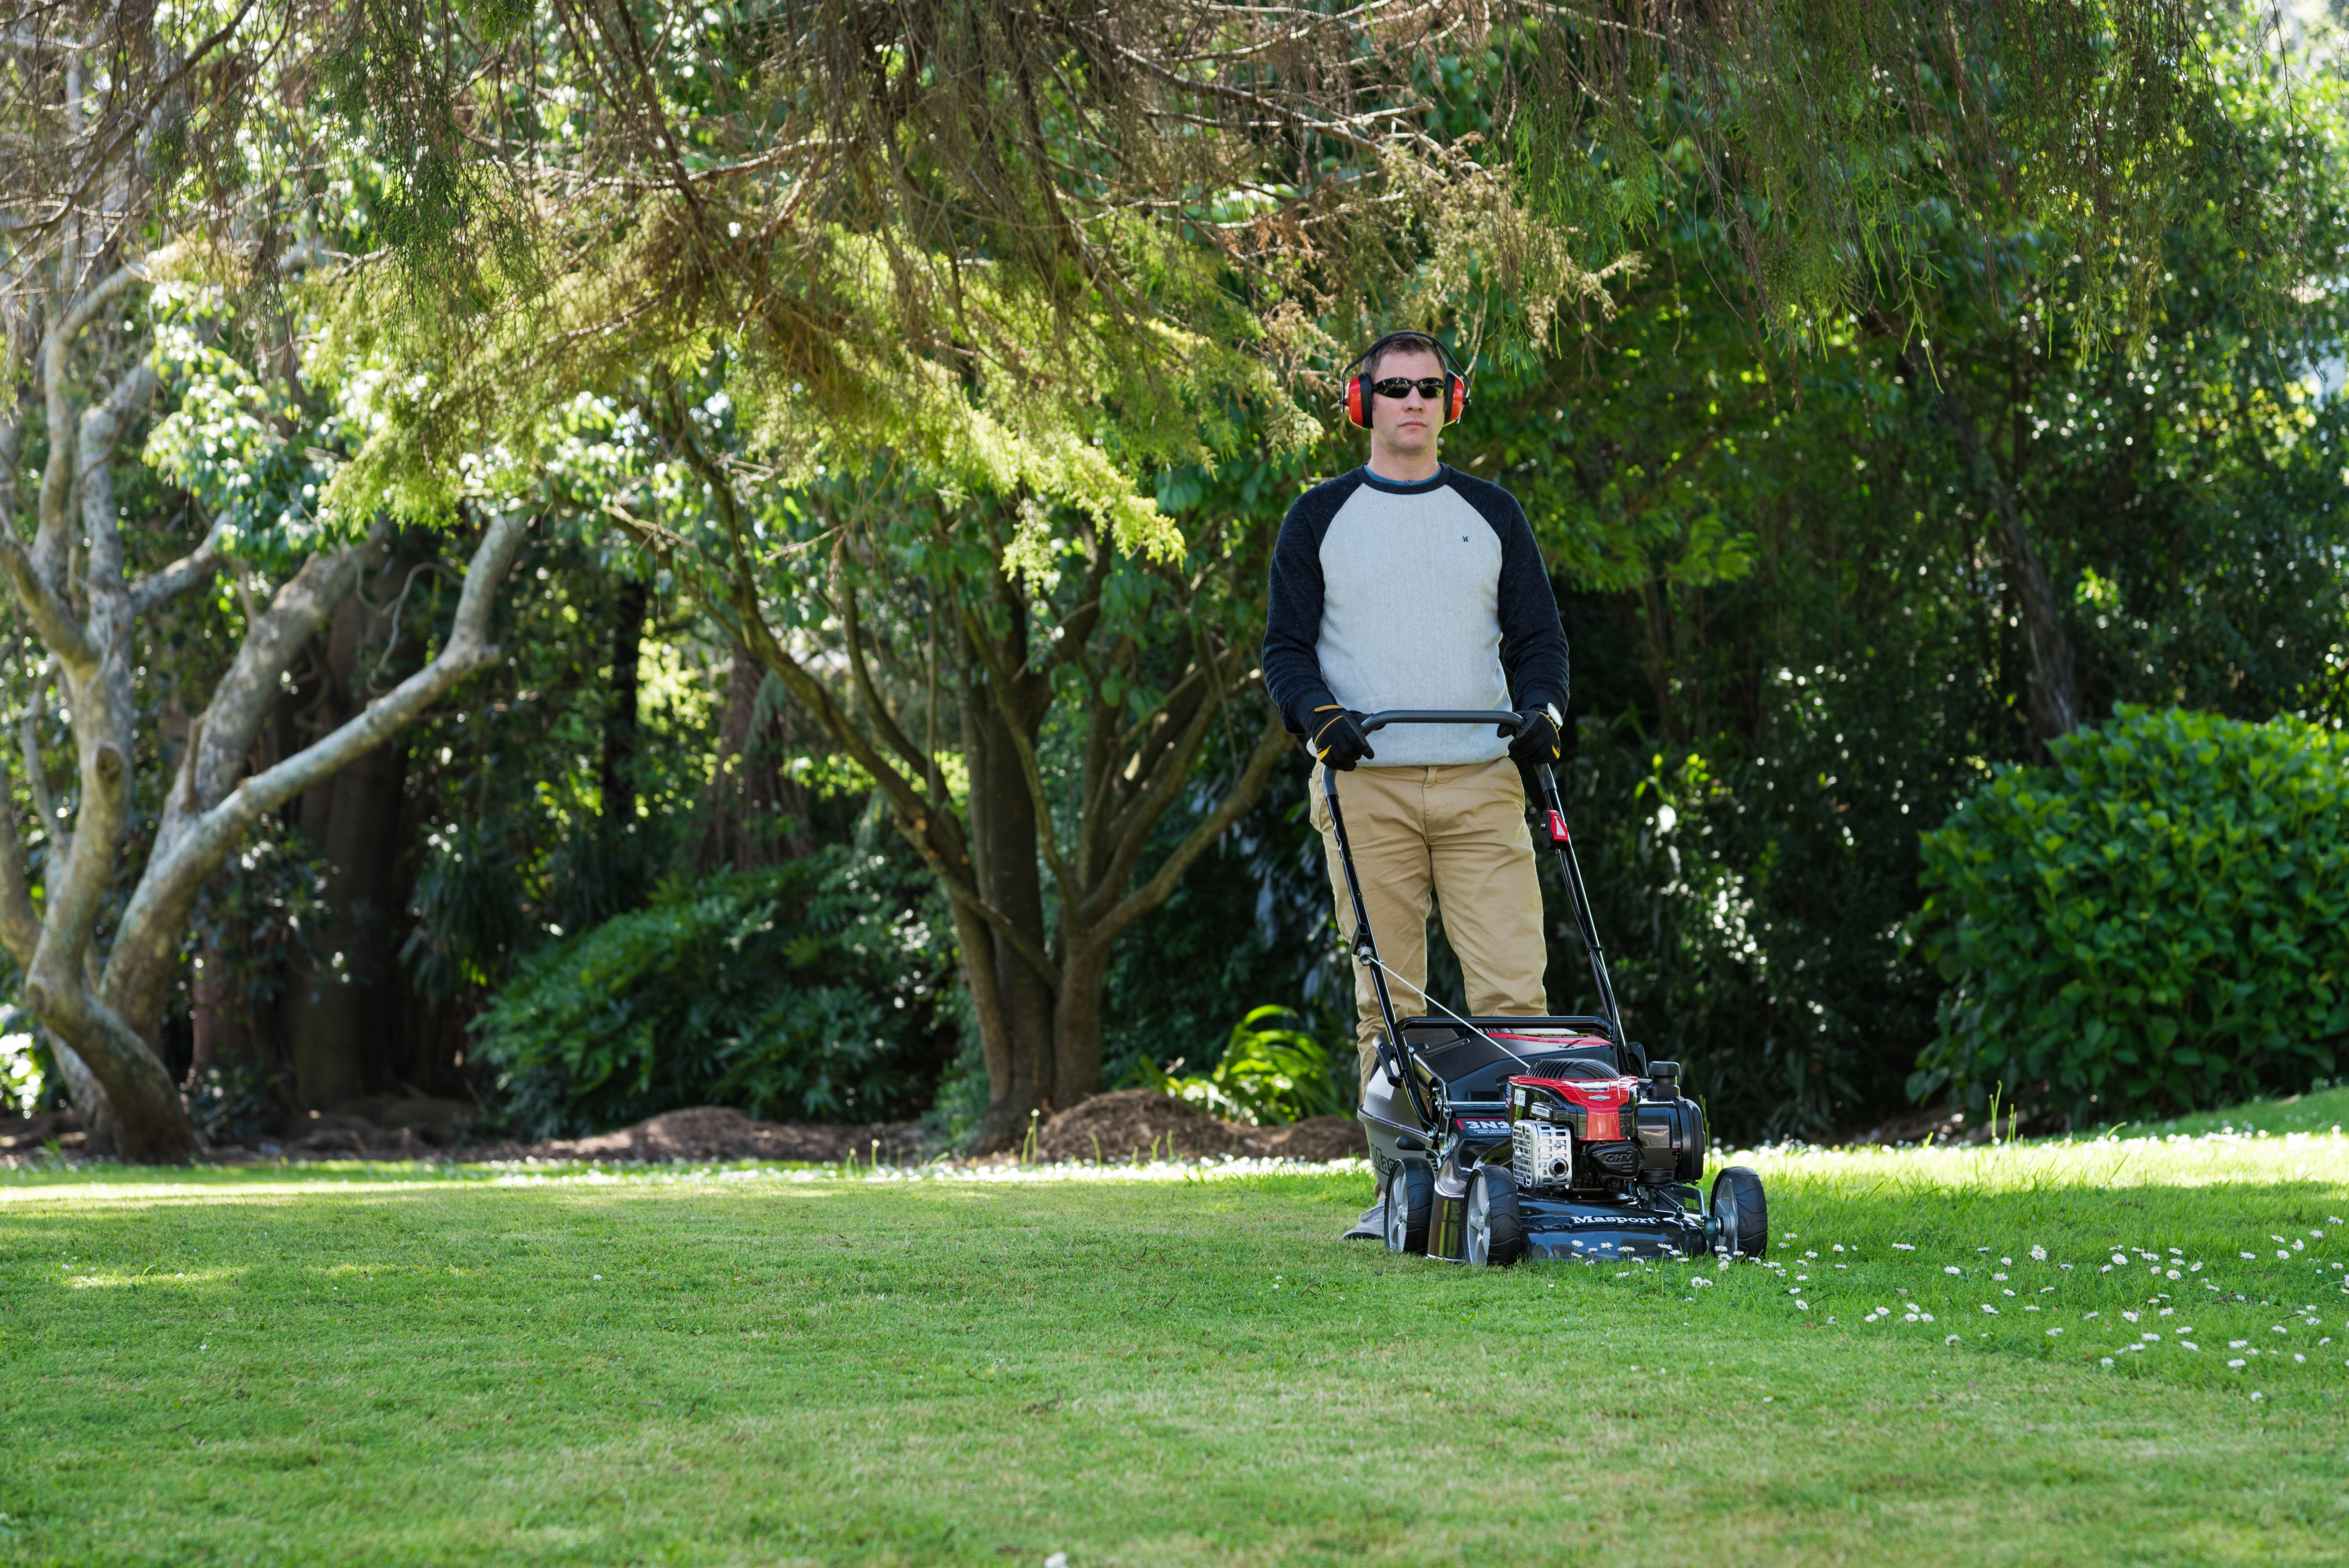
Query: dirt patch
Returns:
{"type": "Point", "coordinates": [1138, 1123]}
{"type": "Point", "coordinates": [1135, 1123]}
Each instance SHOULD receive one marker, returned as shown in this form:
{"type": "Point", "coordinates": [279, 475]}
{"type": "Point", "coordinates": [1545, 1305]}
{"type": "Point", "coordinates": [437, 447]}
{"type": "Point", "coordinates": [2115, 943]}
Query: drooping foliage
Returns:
{"type": "Point", "coordinates": [1038, 246]}
{"type": "Point", "coordinates": [1839, 142]}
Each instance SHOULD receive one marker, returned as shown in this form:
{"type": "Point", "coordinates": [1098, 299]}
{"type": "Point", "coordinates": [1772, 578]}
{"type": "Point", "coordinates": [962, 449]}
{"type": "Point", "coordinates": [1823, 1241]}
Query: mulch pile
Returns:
{"type": "Point", "coordinates": [1138, 1123]}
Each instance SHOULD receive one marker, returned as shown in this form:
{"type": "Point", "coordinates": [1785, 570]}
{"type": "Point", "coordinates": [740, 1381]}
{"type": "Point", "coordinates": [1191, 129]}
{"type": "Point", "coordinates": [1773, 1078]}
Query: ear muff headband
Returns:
{"type": "Point", "coordinates": [1358, 387]}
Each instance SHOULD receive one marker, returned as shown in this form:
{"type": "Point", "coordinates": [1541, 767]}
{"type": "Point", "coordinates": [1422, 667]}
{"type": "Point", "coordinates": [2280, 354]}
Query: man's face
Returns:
{"type": "Point", "coordinates": [1406, 426]}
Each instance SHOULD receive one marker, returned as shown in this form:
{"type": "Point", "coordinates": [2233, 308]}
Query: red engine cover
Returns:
{"type": "Point", "coordinates": [1602, 1101]}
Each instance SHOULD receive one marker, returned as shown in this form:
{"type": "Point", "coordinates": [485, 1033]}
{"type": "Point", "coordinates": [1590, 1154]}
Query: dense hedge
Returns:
{"type": "Point", "coordinates": [2159, 919]}
{"type": "Point", "coordinates": [809, 991]}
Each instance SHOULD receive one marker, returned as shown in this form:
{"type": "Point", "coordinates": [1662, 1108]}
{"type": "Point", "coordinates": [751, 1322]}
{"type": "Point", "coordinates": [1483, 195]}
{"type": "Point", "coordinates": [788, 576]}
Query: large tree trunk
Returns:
{"type": "Point", "coordinates": [1022, 1080]}
{"type": "Point", "coordinates": [337, 1013]}
{"type": "Point", "coordinates": [221, 1024]}
{"type": "Point", "coordinates": [1077, 1024]}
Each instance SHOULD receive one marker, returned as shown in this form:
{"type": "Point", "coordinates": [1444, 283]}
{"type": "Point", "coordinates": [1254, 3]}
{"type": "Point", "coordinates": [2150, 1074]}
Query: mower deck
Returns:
{"type": "Point", "coordinates": [1562, 1228]}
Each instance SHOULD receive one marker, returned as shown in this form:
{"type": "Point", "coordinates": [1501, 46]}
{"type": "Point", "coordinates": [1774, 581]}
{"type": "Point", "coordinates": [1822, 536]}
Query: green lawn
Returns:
{"type": "Point", "coordinates": [387, 1367]}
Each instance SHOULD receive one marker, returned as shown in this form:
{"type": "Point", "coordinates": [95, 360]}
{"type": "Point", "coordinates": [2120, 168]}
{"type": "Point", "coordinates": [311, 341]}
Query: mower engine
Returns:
{"type": "Point", "coordinates": [1597, 1135]}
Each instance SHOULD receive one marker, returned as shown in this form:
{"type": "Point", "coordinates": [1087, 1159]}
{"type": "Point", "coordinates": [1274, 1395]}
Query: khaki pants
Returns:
{"type": "Point", "coordinates": [1460, 833]}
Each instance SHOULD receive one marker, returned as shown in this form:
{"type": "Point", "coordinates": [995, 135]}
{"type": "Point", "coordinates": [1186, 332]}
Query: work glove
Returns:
{"type": "Point", "coordinates": [1536, 739]}
{"type": "Point", "coordinates": [1340, 741]}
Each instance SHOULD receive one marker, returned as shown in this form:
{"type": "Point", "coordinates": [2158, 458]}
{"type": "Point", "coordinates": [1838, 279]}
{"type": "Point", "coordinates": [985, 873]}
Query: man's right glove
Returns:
{"type": "Point", "coordinates": [1536, 739]}
{"type": "Point", "coordinates": [1340, 741]}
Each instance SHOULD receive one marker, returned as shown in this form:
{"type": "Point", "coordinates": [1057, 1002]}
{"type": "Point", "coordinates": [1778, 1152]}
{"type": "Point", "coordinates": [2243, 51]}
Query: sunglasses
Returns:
{"type": "Point", "coordinates": [1431, 387]}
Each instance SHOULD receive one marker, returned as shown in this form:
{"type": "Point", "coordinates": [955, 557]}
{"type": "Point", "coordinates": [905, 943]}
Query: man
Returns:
{"type": "Point", "coordinates": [1405, 583]}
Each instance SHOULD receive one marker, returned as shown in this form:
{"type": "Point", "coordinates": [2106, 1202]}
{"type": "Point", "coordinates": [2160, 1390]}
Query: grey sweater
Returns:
{"type": "Point", "coordinates": [1412, 596]}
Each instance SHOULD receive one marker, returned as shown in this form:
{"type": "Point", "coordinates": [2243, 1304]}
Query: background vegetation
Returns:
{"type": "Point", "coordinates": [872, 728]}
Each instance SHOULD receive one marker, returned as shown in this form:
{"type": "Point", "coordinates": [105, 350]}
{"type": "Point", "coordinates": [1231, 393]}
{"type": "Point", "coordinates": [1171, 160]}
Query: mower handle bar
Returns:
{"type": "Point", "coordinates": [1372, 723]}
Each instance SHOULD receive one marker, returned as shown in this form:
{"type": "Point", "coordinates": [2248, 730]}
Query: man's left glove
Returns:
{"type": "Point", "coordinates": [1536, 739]}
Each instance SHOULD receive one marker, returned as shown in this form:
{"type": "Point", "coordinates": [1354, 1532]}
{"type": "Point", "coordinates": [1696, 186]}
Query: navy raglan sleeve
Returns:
{"type": "Point", "coordinates": [1292, 618]}
{"type": "Point", "coordinates": [1533, 639]}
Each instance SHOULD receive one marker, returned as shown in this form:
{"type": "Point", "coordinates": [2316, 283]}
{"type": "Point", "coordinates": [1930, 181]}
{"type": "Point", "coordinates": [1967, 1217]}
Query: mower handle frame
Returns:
{"type": "Point", "coordinates": [1391, 1050]}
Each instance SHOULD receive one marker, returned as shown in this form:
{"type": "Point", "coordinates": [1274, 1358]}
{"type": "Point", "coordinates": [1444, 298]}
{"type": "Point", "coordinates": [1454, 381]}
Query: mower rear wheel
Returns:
{"type": "Point", "coordinates": [1496, 1235]}
{"type": "Point", "coordinates": [1411, 1195]}
{"type": "Point", "coordinates": [1738, 1199]}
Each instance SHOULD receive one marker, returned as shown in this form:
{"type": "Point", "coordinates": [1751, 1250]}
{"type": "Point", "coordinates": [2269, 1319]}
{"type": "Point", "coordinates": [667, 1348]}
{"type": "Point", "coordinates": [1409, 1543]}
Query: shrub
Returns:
{"type": "Point", "coordinates": [1270, 1073]}
{"type": "Point", "coordinates": [2158, 921]}
{"type": "Point", "coordinates": [806, 991]}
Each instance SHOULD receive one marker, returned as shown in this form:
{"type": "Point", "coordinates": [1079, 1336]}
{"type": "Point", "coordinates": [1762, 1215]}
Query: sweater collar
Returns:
{"type": "Point", "coordinates": [1399, 487]}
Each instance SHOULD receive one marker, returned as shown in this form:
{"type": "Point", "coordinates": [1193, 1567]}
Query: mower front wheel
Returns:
{"type": "Point", "coordinates": [1496, 1235]}
{"type": "Point", "coordinates": [1742, 1212]}
{"type": "Point", "coordinates": [1411, 1195]}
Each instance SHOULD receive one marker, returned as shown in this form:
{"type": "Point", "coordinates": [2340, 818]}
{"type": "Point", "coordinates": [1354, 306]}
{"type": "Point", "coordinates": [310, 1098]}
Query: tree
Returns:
{"type": "Point", "coordinates": [104, 1004]}
{"type": "Point", "coordinates": [1076, 688]}
{"type": "Point", "coordinates": [928, 300]}
{"type": "Point", "coordinates": [103, 1000]}
{"type": "Point", "coordinates": [1759, 749]}
{"type": "Point", "coordinates": [153, 158]}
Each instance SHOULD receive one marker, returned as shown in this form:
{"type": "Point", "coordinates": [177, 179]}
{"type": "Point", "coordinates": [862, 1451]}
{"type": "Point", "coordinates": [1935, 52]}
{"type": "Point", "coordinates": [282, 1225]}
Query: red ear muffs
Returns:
{"type": "Point", "coordinates": [1359, 396]}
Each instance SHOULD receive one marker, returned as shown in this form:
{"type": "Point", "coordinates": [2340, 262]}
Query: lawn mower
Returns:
{"type": "Point", "coordinates": [1497, 1140]}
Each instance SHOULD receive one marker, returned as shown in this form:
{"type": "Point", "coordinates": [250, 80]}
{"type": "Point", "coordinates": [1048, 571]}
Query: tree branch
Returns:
{"type": "Point", "coordinates": [1279, 112]}
{"type": "Point", "coordinates": [174, 872]}
{"type": "Point", "coordinates": [160, 588]}
{"type": "Point", "coordinates": [102, 523]}
{"type": "Point", "coordinates": [20, 925]}
{"type": "Point", "coordinates": [272, 640]}
{"type": "Point", "coordinates": [1272, 744]}
{"type": "Point", "coordinates": [53, 539]}
{"type": "Point", "coordinates": [1140, 818]}
{"type": "Point", "coordinates": [869, 693]}
{"type": "Point", "coordinates": [53, 619]}
{"type": "Point", "coordinates": [36, 774]}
